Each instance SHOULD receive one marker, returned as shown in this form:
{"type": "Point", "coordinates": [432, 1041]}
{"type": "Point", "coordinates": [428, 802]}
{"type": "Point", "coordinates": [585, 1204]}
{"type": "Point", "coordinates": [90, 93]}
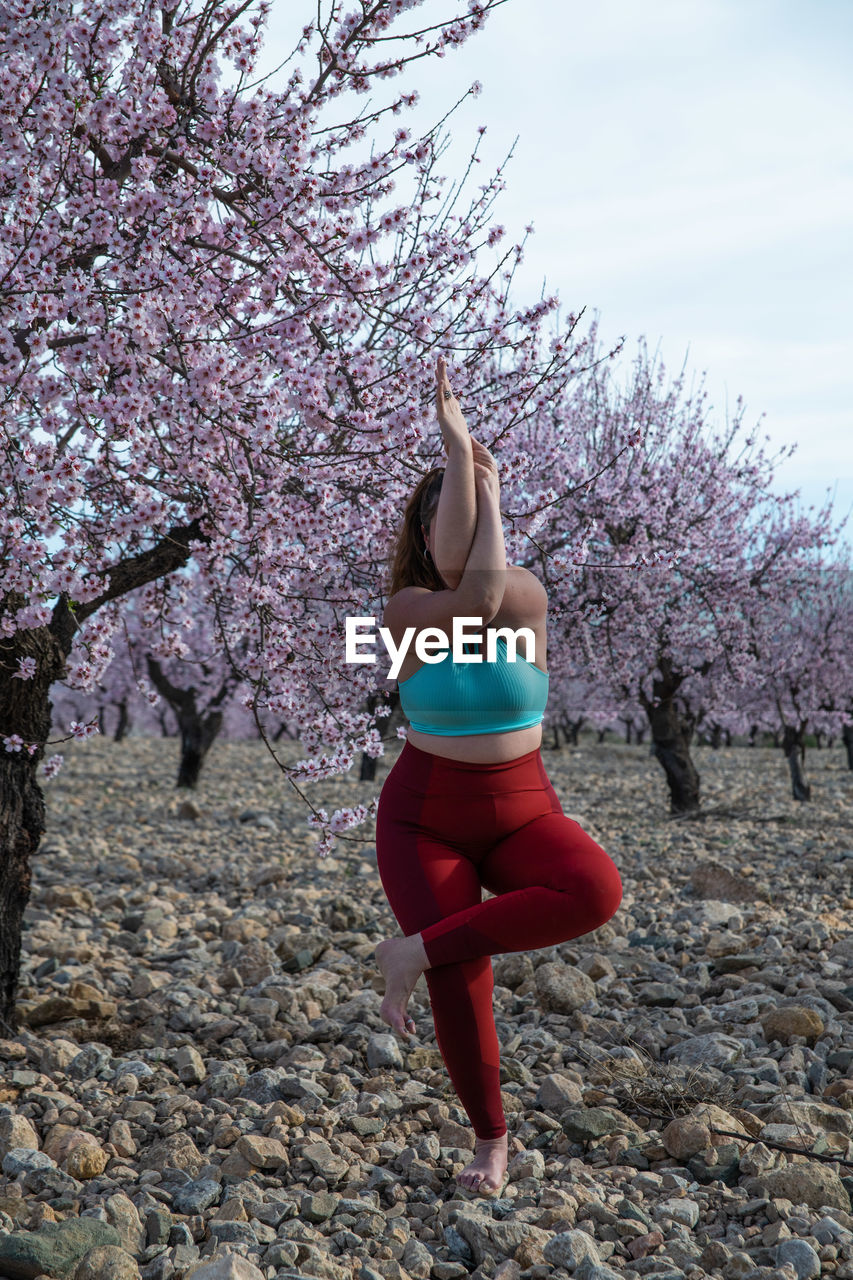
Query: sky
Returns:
{"type": "Point", "coordinates": [687, 166]}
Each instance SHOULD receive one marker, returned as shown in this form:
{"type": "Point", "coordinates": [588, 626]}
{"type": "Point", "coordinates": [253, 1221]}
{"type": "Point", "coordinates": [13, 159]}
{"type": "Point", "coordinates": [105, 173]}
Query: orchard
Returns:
{"type": "Point", "coordinates": [216, 359]}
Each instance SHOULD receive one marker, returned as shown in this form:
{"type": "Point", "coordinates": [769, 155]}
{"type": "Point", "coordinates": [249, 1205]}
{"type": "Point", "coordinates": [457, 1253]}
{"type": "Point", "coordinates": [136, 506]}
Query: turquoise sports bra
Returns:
{"type": "Point", "coordinates": [452, 699]}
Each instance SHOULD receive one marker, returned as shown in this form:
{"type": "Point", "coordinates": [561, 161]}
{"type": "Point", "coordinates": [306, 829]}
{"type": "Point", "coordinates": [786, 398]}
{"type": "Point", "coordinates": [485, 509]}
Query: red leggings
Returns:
{"type": "Point", "coordinates": [446, 829]}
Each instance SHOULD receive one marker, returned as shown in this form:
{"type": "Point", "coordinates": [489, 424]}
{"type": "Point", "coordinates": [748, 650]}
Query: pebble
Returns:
{"type": "Point", "coordinates": [201, 1086]}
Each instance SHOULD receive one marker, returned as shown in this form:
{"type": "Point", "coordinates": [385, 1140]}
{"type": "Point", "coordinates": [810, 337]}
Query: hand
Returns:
{"type": "Point", "coordinates": [482, 455]}
{"type": "Point", "coordinates": [486, 482]}
{"type": "Point", "coordinates": [453, 427]}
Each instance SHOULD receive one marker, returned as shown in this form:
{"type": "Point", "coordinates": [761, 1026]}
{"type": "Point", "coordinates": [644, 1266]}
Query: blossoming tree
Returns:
{"type": "Point", "coordinates": [219, 327]}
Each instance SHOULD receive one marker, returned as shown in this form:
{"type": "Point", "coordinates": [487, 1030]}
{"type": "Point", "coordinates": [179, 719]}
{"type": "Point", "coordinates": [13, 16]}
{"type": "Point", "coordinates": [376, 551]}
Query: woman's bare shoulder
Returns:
{"type": "Point", "coordinates": [525, 598]}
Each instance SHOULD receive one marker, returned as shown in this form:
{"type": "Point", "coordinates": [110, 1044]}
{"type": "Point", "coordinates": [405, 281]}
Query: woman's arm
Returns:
{"type": "Point", "coordinates": [456, 517]}
{"type": "Point", "coordinates": [483, 583]}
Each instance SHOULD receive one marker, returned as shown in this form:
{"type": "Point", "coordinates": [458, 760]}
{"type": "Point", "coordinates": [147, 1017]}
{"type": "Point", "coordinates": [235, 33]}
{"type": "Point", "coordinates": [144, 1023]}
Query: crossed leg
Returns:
{"type": "Point", "coordinates": [553, 883]}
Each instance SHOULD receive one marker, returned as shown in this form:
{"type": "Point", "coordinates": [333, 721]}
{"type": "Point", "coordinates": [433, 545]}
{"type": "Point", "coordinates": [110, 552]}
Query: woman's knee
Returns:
{"type": "Point", "coordinates": [597, 887]}
{"type": "Point", "coordinates": [605, 890]}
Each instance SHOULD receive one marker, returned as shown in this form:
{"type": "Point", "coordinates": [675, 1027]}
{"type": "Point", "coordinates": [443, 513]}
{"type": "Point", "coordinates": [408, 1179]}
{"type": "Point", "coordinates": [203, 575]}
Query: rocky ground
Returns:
{"type": "Point", "coordinates": [201, 1085]}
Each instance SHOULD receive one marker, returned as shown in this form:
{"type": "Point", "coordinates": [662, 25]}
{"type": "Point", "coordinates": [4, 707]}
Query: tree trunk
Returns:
{"type": "Point", "coordinates": [847, 739]}
{"type": "Point", "coordinates": [753, 735]}
{"type": "Point", "coordinates": [25, 711]}
{"type": "Point", "coordinates": [198, 729]}
{"type": "Point", "coordinates": [716, 737]}
{"type": "Point", "coordinates": [198, 734]}
{"type": "Point", "coordinates": [123, 721]}
{"type": "Point", "coordinates": [572, 732]}
{"type": "Point", "coordinates": [794, 746]}
{"type": "Point", "coordinates": [671, 733]}
{"type": "Point", "coordinates": [555, 745]}
{"type": "Point", "coordinates": [629, 725]}
{"type": "Point", "coordinates": [21, 829]}
{"type": "Point", "coordinates": [282, 732]}
{"type": "Point", "coordinates": [601, 736]}
{"type": "Point", "coordinates": [640, 735]}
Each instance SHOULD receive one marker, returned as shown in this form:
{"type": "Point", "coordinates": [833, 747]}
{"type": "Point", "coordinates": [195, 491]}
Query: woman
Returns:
{"type": "Point", "coordinates": [468, 803]}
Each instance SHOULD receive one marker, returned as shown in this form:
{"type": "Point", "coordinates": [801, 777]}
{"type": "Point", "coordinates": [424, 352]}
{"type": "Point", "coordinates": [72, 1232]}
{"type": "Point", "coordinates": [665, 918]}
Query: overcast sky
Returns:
{"type": "Point", "coordinates": [687, 167]}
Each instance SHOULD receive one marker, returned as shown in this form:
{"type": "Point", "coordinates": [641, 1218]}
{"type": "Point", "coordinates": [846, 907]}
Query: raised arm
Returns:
{"type": "Point", "coordinates": [485, 576]}
{"type": "Point", "coordinates": [456, 517]}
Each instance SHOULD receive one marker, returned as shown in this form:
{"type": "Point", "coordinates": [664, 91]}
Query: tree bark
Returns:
{"type": "Point", "coordinates": [671, 734]}
{"type": "Point", "coordinates": [198, 729]}
{"type": "Point", "coordinates": [198, 733]}
{"type": "Point", "coordinates": [25, 710]}
{"type": "Point", "coordinates": [794, 746]}
{"type": "Point", "coordinates": [847, 739]}
{"type": "Point", "coordinates": [123, 721]}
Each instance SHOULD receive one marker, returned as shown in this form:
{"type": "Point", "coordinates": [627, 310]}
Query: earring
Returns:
{"type": "Point", "coordinates": [427, 554]}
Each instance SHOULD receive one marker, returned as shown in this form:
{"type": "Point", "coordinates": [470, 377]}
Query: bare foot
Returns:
{"type": "Point", "coordinates": [486, 1172]}
{"type": "Point", "coordinates": [402, 961]}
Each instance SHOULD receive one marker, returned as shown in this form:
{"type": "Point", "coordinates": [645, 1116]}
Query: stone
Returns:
{"type": "Point", "coordinates": [189, 1065]}
{"type": "Point", "coordinates": [58, 1008]}
{"type": "Point", "coordinates": [663, 995]}
{"type": "Point", "coordinates": [86, 1160]}
{"type": "Point", "coordinates": [196, 1196]}
{"type": "Point", "coordinates": [318, 1208]}
{"type": "Point", "coordinates": [562, 988]}
{"type": "Point", "coordinates": [383, 1051]}
{"type": "Point", "coordinates": [228, 1266]}
{"type": "Point", "coordinates": [17, 1133]}
{"type": "Point", "coordinates": [584, 1124]}
{"type": "Point", "coordinates": [642, 1246]}
{"type": "Point", "coordinates": [569, 1249]}
{"type": "Point", "coordinates": [178, 1151]}
{"type": "Point", "coordinates": [262, 1153]}
{"type": "Point", "coordinates": [792, 1020]}
{"type": "Point", "coordinates": [716, 1118]}
{"type": "Point", "coordinates": [811, 1111]}
{"type": "Point", "coordinates": [527, 1164]}
{"type": "Point", "coordinates": [54, 1249]}
{"type": "Point", "coordinates": [512, 969]}
{"type": "Point", "coordinates": [806, 1182]}
{"type": "Point", "coordinates": [681, 1210]}
{"type": "Point", "coordinates": [597, 967]}
{"type": "Point", "coordinates": [106, 1262]}
{"type": "Point", "coordinates": [123, 1214]}
{"type": "Point", "coordinates": [556, 1092]}
{"type": "Point", "coordinates": [24, 1159]}
{"type": "Point", "coordinates": [801, 1256]}
{"type": "Point", "coordinates": [711, 880]}
{"type": "Point", "coordinates": [684, 1136]}
{"type": "Point", "coordinates": [712, 1049]}
{"type": "Point", "coordinates": [721, 1163]}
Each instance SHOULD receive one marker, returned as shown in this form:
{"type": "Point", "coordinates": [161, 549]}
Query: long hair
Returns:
{"type": "Point", "coordinates": [409, 566]}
